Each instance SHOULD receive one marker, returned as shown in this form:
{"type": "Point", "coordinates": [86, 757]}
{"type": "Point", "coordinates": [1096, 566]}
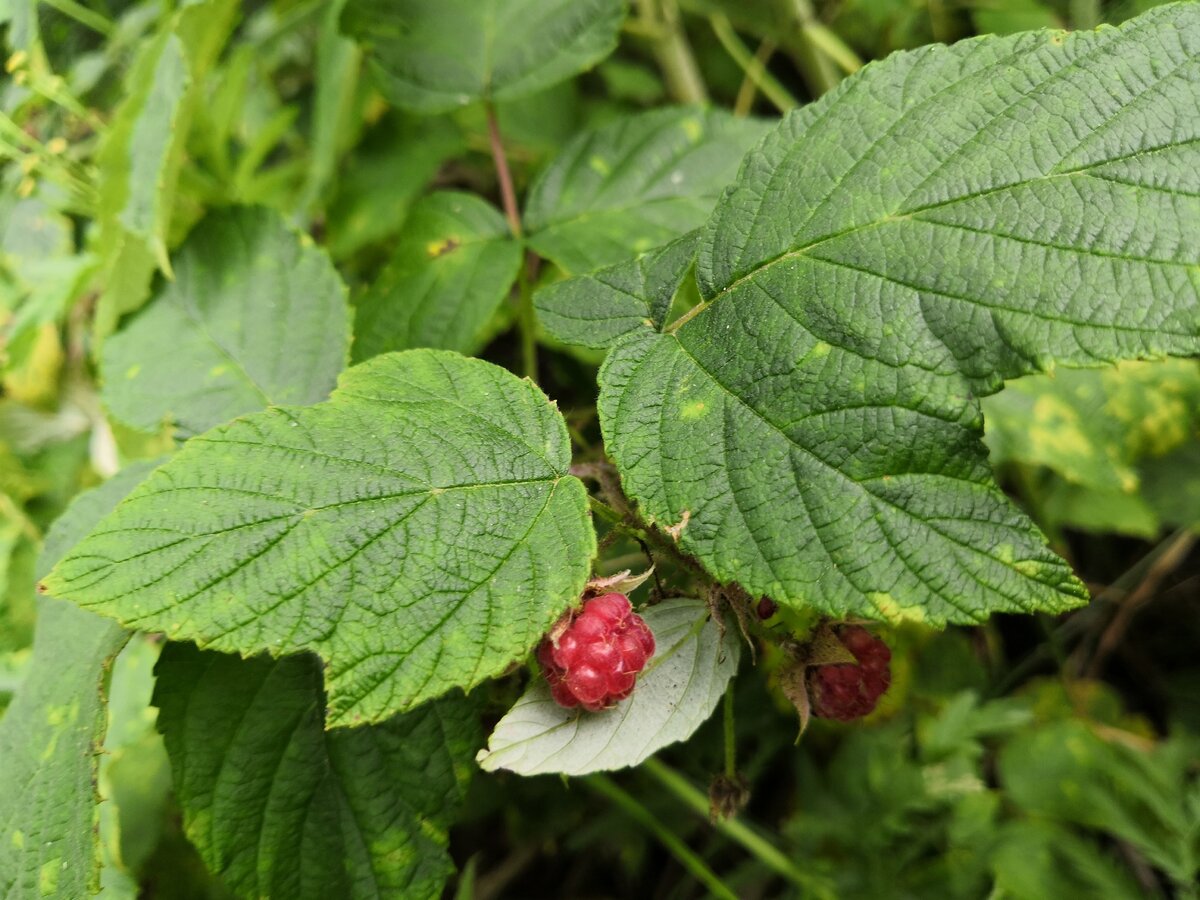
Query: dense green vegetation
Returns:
{"type": "Point", "coordinates": [347, 344]}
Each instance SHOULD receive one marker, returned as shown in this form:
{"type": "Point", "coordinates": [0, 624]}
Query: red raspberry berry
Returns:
{"type": "Point", "coordinates": [767, 608]}
{"type": "Point", "coordinates": [592, 657]}
{"type": "Point", "coordinates": [845, 691]}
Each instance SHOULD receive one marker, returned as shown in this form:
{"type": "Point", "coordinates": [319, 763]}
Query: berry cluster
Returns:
{"type": "Point", "coordinates": [592, 658]}
{"type": "Point", "coordinates": [846, 691]}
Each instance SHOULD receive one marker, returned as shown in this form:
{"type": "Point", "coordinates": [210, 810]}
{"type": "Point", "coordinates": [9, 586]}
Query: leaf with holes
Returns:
{"type": "Point", "coordinates": [436, 55]}
{"type": "Point", "coordinates": [942, 221]}
{"type": "Point", "coordinates": [280, 808]}
{"type": "Point", "coordinates": [674, 696]}
{"type": "Point", "coordinates": [418, 530]}
{"type": "Point", "coordinates": [210, 345]}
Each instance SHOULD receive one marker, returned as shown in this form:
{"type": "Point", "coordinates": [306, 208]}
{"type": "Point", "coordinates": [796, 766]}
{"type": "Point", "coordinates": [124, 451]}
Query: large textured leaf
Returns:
{"type": "Point", "coordinates": [51, 735]}
{"type": "Point", "coordinates": [437, 55]}
{"type": "Point", "coordinates": [418, 530]}
{"type": "Point", "coordinates": [140, 157]}
{"type": "Point", "coordinates": [597, 309]}
{"type": "Point", "coordinates": [636, 183]}
{"type": "Point", "coordinates": [256, 317]}
{"type": "Point", "coordinates": [453, 266]}
{"type": "Point", "coordinates": [943, 220]}
{"type": "Point", "coordinates": [280, 808]}
{"type": "Point", "coordinates": [683, 683]}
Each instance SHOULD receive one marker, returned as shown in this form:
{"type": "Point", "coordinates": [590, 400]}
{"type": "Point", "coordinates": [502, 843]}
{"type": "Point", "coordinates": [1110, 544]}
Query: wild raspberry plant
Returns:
{"type": "Point", "coordinates": [797, 320]}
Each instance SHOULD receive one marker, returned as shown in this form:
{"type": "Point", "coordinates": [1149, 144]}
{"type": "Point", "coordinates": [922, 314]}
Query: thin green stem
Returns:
{"type": "Point", "coordinates": [733, 828]}
{"type": "Point", "coordinates": [89, 18]}
{"type": "Point", "coordinates": [1085, 14]}
{"type": "Point", "coordinates": [820, 73]}
{"type": "Point", "coordinates": [672, 51]}
{"type": "Point", "coordinates": [751, 65]}
{"type": "Point", "coordinates": [827, 41]}
{"type": "Point", "coordinates": [527, 323]}
{"type": "Point", "coordinates": [620, 798]}
{"type": "Point", "coordinates": [730, 734]}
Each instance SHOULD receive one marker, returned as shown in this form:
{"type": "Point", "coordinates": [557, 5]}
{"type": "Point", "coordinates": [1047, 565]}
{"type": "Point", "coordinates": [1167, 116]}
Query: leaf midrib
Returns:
{"type": "Point", "coordinates": [911, 214]}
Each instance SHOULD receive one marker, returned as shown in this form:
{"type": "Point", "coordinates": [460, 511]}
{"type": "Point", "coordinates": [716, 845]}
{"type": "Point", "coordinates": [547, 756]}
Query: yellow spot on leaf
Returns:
{"type": "Point", "coordinates": [695, 410]}
{"type": "Point", "coordinates": [441, 247]}
{"type": "Point", "coordinates": [892, 611]}
{"type": "Point", "coordinates": [48, 877]}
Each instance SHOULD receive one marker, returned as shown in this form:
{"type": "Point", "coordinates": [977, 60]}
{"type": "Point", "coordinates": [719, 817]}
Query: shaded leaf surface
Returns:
{"type": "Point", "coordinates": [945, 219]}
{"type": "Point", "coordinates": [418, 530]}
{"type": "Point", "coordinates": [674, 696]}
{"type": "Point", "coordinates": [437, 55]}
{"type": "Point", "coordinates": [51, 735]}
{"type": "Point", "coordinates": [281, 808]}
{"type": "Point", "coordinates": [454, 264]}
{"type": "Point", "coordinates": [256, 316]}
{"type": "Point", "coordinates": [597, 309]}
{"type": "Point", "coordinates": [635, 184]}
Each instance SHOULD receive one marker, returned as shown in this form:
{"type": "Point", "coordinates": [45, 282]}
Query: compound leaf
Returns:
{"type": "Point", "coordinates": [634, 184]}
{"type": "Point", "coordinates": [418, 530]}
{"type": "Point", "coordinates": [256, 316]}
{"type": "Point", "coordinates": [437, 55]}
{"type": "Point", "coordinates": [681, 686]}
{"type": "Point", "coordinates": [454, 264]}
{"type": "Point", "coordinates": [943, 220]}
{"type": "Point", "coordinates": [280, 808]}
{"type": "Point", "coordinates": [51, 735]}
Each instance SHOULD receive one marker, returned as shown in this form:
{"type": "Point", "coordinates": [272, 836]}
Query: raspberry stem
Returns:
{"type": "Point", "coordinates": [730, 734]}
{"type": "Point", "coordinates": [735, 829]}
{"type": "Point", "coordinates": [628, 804]}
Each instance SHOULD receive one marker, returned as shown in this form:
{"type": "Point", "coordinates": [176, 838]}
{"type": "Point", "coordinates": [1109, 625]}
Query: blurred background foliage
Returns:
{"type": "Point", "coordinates": [1032, 757]}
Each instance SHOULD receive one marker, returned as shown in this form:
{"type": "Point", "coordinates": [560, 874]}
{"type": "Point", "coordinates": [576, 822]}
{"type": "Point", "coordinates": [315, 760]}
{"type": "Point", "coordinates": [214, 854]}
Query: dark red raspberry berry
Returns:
{"type": "Point", "coordinates": [767, 608]}
{"type": "Point", "coordinates": [591, 658]}
{"type": "Point", "coordinates": [845, 691]}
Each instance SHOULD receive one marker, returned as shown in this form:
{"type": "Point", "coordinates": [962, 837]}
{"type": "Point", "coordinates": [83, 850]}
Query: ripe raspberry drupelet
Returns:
{"type": "Point", "coordinates": [592, 658]}
{"type": "Point", "coordinates": [844, 691]}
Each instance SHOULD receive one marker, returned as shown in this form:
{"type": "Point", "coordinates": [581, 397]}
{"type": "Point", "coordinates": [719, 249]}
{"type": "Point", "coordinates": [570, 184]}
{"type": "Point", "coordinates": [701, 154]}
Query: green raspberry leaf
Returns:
{"type": "Point", "coordinates": [944, 220]}
{"type": "Point", "coordinates": [454, 264]}
{"type": "Point", "coordinates": [256, 316]}
{"type": "Point", "coordinates": [50, 737]}
{"type": "Point", "coordinates": [597, 309]}
{"type": "Point", "coordinates": [418, 530]}
{"type": "Point", "coordinates": [680, 688]}
{"type": "Point", "coordinates": [437, 55]}
{"type": "Point", "coordinates": [631, 185]}
{"type": "Point", "coordinates": [280, 808]}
